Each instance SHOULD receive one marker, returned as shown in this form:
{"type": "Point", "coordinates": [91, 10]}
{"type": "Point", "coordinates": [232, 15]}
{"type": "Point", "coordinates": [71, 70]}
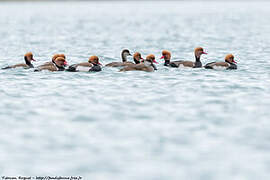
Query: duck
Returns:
{"type": "Point", "coordinates": [125, 53]}
{"type": "Point", "coordinates": [93, 65]}
{"type": "Point", "coordinates": [147, 65]}
{"type": "Point", "coordinates": [58, 65]}
{"type": "Point", "coordinates": [166, 55]}
{"type": "Point", "coordinates": [53, 59]}
{"type": "Point", "coordinates": [229, 63]}
{"type": "Point", "coordinates": [28, 57]}
{"type": "Point", "coordinates": [137, 58]}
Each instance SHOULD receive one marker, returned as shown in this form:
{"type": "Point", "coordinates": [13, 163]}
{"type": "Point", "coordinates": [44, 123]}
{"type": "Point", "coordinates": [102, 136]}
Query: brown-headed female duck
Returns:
{"type": "Point", "coordinates": [147, 65]}
{"type": "Point", "coordinates": [229, 63]}
{"type": "Point", "coordinates": [125, 53]}
{"type": "Point", "coordinates": [92, 65]}
{"type": "Point", "coordinates": [58, 65]}
{"type": "Point", "coordinates": [166, 55]}
{"type": "Point", "coordinates": [28, 58]}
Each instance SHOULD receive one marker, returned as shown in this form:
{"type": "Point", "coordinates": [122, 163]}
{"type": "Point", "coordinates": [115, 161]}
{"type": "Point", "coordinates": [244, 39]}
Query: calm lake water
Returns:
{"type": "Point", "coordinates": [169, 124]}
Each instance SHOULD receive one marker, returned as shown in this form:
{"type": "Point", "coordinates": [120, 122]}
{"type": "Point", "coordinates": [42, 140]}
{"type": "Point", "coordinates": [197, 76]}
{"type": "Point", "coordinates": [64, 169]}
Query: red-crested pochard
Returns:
{"type": "Point", "coordinates": [166, 55]}
{"type": "Point", "coordinates": [92, 65]}
{"type": "Point", "coordinates": [137, 58]}
{"type": "Point", "coordinates": [58, 65]}
{"type": "Point", "coordinates": [28, 58]}
{"type": "Point", "coordinates": [229, 63]}
{"type": "Point", "coordinates": [53, 59]}
{"type": "Point", "coordinates": [147, 65]}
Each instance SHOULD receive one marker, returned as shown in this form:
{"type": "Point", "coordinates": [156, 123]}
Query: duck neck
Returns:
{"type": "Point", "coordinates": [167, 62]}
{"type": "Point", "coordinates": [60, 68]}
{"type": "Point", "coordinates": [136, 61]}
{"type": "Point", "coordinates": [95, 64]}
{"type": "Point", "coordinates": [229, 62]}
{"type": "Point", "coordinates": [124, 57]}
{"type": "Point", "coordinates": [198, 62]}
{"type": "Point", "coordinates": [28, 62]}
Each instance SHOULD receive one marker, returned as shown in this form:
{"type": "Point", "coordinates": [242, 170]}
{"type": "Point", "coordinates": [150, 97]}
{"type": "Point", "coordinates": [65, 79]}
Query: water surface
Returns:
{"type": "Point", "coordinates": [170, 124]}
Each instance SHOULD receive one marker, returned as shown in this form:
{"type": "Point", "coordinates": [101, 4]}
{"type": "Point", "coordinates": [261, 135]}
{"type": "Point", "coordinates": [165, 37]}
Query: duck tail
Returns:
{"type": "Point", "coordinates": [8, 67]}
{"type": "Point", "coordinates": [208, 67]}
{"type": "Point", "coordinates": [72, 68]}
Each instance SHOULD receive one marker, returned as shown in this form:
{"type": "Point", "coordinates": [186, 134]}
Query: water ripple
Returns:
{"type": "Point", "coordinates": [171, 124]}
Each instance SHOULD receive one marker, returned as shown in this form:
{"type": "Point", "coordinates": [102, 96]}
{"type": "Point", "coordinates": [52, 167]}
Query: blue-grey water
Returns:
{"type": "Point", "coordinates": [169, 124]}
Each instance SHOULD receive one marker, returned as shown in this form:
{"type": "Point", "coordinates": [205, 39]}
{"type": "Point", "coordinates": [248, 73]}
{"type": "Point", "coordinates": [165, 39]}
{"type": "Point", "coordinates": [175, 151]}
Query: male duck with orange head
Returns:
{"type": "Point", "coordinates": [58, 65]}
{"type": "Point", "coordinates": [92, 65]}
{"type": "Point", "coordinates": [229, 63]}
{"type": "Point", "coordinates": [28, 57]}
{"type": "Point", "coordinates": [53, 60]}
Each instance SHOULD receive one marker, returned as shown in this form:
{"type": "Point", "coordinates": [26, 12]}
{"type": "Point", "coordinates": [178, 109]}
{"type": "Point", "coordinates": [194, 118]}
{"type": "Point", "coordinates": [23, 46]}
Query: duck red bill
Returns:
{"type": "Point", "coordinates": [234, 61]}
{"type": "Point", "coordinates": [65, 63]}
{"type": "Point", "coordinates": [162, 57]}
{"type": "Point", "coordinates": [33, 60]}
{"type": "Point", "coordinates": [99, 63]}
{"type": "Point", "coordinates": [204, 53]}
{"type": "Point", "coordinates": [154, 61]}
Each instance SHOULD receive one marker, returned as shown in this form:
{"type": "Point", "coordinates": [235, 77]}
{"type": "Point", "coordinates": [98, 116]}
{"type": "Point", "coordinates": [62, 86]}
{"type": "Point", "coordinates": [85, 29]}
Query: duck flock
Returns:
{"type": "Point", "coordinates": [59, 63]}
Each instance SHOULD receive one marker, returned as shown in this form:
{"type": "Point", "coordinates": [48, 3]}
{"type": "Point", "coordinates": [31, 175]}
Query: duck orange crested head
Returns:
{"type": "Point", "coordinates": [166, 55]}
{"type": "Point", "coordinates": [60, 61]}
{"type": "Point", "coordinates": [94, 60]}
{"type": "Point", "coordinates": [62, 55]}
{"type": "Point", "coordinates": [137, 57]}
{"type": "Point", "coordinates": [54, 57]}
{"type": "Point", "coordinates": [151, 58]}
{"type": "Point", "coordinates": [58, 55]}
{"type": "Point", "coordinates": [29, 57]}
{"type": "Point", "coordinates": [230, 58]}
{"type": "Point", "coordinates": [199, 51]}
